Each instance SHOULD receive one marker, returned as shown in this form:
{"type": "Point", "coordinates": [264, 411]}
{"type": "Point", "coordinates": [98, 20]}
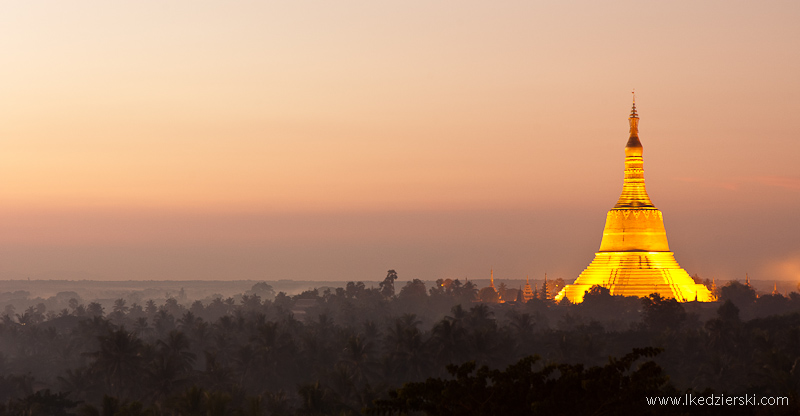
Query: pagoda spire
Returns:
{"type": "Point", "coordinates": [633, 120]}
{"type": "Point", "coordinates": [634, 194]}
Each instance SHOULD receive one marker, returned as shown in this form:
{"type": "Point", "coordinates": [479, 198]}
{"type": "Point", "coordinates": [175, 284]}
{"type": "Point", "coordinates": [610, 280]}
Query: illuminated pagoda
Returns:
{"type": "Point", "coordinates": [527, 293]}
{"type": "Point", "coordinates": [634, 257]}
{"type": "Point", "coordinates": [489, 293]}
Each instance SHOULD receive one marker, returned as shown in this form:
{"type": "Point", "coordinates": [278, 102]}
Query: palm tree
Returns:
{"type": "Point", "coordinates": [357, 355]}
{"type": "Point", "coordinates": [118, 311]}
{"type": "Point", "coordinates": [448, 342]}
{"type": "Point", "coordinates": [216, 374]}
{"type": "Point", "coordinates": [79, 382]}
{"type": "Point", "coordinates": [95, 309]}
{"type": "Point", "coordinates": [176, 346]}
{"type": "Point", "coordinates": [245, 360]}
{"type": "Point", "coordinates": [142, 329]}
{"type": "Point", "coordinates": [95, 327]}
{"type": "Point", "coordinates": [119, 361]}
{"type": "Point", "coordinates": [502, 288]}
{"type": "Point", "coordinates": [119, 306]}
{"type": "Point", "coordinates": [25, 319]}
{"type": "Point", "coordinates": [480, 317]}
{"type": "Point", "coordinates": [187, 321]}
{"type": "Point", "coordinates": [468, 292]}
{"type": "Point", "coordinates": [267, 348]}
{"type": "Point", "coordinates": [404, 342]}
{"type": "Point", "coordinates": [200, 334]}
{"type": "Point", "coordinates": [150, 308]}
{"type": "Point", "coordinates": [523, 325]}
{"type": "Point", "coordinates": [163, 322]}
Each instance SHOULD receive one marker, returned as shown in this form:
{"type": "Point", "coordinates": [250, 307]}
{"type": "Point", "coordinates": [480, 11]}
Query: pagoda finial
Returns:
{"type": "Point", "coordinates": [634, 118]}
{"type": "Point", "coordinates": [491, 278]}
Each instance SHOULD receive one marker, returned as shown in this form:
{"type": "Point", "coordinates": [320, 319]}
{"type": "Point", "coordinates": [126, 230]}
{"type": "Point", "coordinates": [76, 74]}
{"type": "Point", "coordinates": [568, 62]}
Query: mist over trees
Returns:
{"type": "Point", "coordinates": [393, 350]}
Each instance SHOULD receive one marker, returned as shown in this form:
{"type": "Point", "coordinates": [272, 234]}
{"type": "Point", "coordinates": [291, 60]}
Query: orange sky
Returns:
{"type": "Point", "coordinates": [336, 140]}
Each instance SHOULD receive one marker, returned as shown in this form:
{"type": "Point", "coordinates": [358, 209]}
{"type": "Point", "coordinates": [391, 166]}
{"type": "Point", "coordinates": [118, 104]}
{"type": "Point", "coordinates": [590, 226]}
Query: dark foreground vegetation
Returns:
{"type": "Point", "coordinates": [357, 350]}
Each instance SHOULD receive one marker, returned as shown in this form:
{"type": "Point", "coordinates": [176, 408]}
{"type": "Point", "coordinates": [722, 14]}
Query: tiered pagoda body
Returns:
{"type": "Point", "coordinates": [634, 257]}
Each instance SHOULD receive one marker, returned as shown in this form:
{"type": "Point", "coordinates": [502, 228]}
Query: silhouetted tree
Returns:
{"type": "Point", "coordinates": [413, 290]}
{"type": "Point", "coordinates": [555, 389]}
{"type": "Point", "coordinates": [662, 313]}
{"type": "Point", "coordinates": [740, 294]}
{"type": "Point", "coordinates": [354, 290]}
{"type": "Point", "coordinates": [488, 295]}
{"type": "Point", "coordinates": [119, 362]}
{"type": "Point", "coordinates": [94, 309]}
{"type": "Point", "coordinates": [241, 354]}
{"type": "Point", "coordinates": [387, 285]}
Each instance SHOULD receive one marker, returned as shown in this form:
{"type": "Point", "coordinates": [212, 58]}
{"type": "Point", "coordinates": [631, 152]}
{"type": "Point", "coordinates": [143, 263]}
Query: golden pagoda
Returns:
{"type": "Point", "coordinates": [634, 257]}
{"type": "Point", "coordinates": [527, 294]}
{"type": "Point", "coordinates": [490, 292]}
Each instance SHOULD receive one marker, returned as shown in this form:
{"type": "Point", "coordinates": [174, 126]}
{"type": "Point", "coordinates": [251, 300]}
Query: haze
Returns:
{"type": "Point", "coordinates": [336, 140]}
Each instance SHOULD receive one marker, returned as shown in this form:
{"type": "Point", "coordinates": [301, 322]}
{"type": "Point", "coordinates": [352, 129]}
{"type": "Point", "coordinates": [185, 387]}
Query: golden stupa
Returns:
{"type": "Point", "coordinates": [634, 257]}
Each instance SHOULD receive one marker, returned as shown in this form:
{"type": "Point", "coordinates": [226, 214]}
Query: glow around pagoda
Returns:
{"type": "Point", "coordinates": [634, 257]}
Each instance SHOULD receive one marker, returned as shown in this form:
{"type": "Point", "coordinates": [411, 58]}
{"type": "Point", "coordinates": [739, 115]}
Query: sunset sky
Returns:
{"type": "Point", "coordinates": [336, 140]}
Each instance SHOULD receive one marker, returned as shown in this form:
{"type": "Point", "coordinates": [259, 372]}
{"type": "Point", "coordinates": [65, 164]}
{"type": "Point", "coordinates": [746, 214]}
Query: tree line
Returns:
{"type": "Point", "coordinates": [355, 349]}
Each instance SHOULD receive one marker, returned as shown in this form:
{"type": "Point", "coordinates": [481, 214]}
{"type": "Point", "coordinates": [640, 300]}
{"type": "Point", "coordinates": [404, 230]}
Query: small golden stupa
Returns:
{"type": "Point", "coordinates": [527, 293]}
{"type": "Point", "coordinates": [634, 257]}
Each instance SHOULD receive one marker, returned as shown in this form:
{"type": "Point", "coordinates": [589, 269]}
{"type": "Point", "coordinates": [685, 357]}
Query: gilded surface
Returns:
{"type": "Point", "coordinates": [634, 257]}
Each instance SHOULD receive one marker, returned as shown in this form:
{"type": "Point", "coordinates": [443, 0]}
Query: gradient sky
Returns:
{"type": "Point", "coordinates": [336, 140]}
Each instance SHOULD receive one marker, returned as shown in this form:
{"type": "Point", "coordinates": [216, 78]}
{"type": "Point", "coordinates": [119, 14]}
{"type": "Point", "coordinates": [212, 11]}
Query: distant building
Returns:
{"type": "Point", "coordinates": [527, 292]}
{"type": "Point", "coordinates": [544, 293]}
{"type": "Point", "coordinates": [634, 257]}
{"type": "Point", "coordinates": [489, 294]}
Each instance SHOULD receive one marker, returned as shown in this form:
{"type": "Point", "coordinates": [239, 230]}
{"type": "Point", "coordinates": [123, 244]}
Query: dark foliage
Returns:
{"type": "Point", "coordinates": [529, 388]}
{"type": "Point", "coordinates": [336, 351]}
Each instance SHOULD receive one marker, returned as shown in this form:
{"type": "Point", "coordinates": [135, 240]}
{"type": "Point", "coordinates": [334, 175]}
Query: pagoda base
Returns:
{"type": "Point", "coordinates": [637, 273]}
